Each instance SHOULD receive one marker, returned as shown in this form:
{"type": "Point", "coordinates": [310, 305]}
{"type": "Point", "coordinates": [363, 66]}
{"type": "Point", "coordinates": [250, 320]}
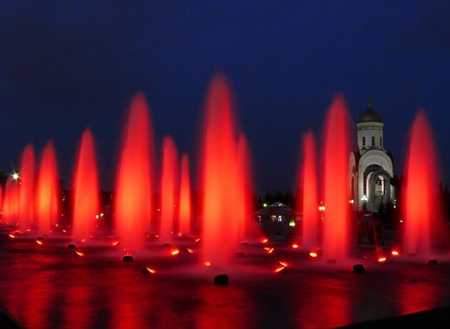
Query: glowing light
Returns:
{"type": "Point", "coordinates": [83, 240]}
{"type": "Point", "coordinates": [269, 250]}
{"type": "Point", "coordinates": [175, 252]}
{"type": "Point", "coordinates": [313, 254]}
{"type": "Point", "coordinates": [189, 250]}
{"type": "Point", "coordinates": [264, 241]}
{"type": "Point", "coordinates": [351, 201]}
{"type": "Point", "coordinates": [295, 246]}
{"type": "Point", "coordinates": [322, 207]}
{"type": "Point", "coordinates": [364, 198]}
{"type": "Point", "coordinates": [401, 221]}
{"type": "Point", "coordinates": [279, 269]}
{"type": "Point", "coordinates": [115, 243]}
{"type": "Point", "coordinates": [382, 259]}
{"type": "Point", "coordinates": [207, 263]}
{"type": "Point", "coordinates": [197, 240]}
{"type": "Point", "coordinates": [11, 235]}
{"type": "Point", "coordinates": [39, 242]}
{"type": "Point", "coordinates": [265, 205]}
{"type": "Point", "coordinates": [150, 270]}
{"type": "Point", "coordinates": [15, 176]}
{"type": "Point", "coordinates": [395, 253]}
{"type": "Point", "coordinates": [292, 223]}
{"type": "Point", "coordinates": [79, 253]}
{"type": "Point", "coordinates": [283, 263]}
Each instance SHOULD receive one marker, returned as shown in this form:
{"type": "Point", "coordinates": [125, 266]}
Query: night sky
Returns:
{"type": "Point", "coordinates": [67, 65]}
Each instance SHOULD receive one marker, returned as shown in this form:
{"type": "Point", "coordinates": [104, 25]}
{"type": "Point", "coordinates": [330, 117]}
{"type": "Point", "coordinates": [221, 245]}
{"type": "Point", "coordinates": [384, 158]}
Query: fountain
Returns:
{"type": "Point", "coordinates": [168, 190]}
{"type": "Point", "coordinates": [185, 205]}
{"type": "Point", "coordinates": [423, 226]}
{"type": "Point", "coordinates": [133, 198]}
{"type": "Point", "coordinates": [221, 180]}
{"type": "Point", "coordinates": [308, 200]}
{"type": "Point", "coordinates": [11, 202]}
{"type": "Point", "coordinates": [47, 190]}
{"type": "Point", "coordinates": [336, 235]}
{"type": "Point", "coordinates": [85, 189]}
{"type": "Point", "coordinates": [26, 189]}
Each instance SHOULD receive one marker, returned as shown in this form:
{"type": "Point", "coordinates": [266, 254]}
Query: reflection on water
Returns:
{"type": "Point", "coordinates": [57, 291]}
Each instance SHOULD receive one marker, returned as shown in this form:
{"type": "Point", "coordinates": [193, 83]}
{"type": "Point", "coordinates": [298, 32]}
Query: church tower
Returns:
{"type": "Point", "coordinates": [371, 167]}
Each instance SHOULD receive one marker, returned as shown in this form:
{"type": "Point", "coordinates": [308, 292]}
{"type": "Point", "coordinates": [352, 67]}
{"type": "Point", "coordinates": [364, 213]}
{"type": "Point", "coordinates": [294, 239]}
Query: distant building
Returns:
{"type": "Point", "coordinates": [371, 166]}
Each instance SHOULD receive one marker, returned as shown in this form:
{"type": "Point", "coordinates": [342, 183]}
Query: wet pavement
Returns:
{"type": "Point", "coordinates": [49, 286]}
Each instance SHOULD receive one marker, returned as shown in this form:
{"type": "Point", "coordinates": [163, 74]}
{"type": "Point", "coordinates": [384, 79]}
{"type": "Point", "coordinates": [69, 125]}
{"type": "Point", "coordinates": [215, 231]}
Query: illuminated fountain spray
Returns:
{"type": "Point", "coordinates": [1, 202]}
{"type": "Point", "coordinates": [47, 190]}
{"type": "Point", "coordinates": [133, 186]}
{"type": "Point", "coordinates": [168, 189]}
{"type": "Point", "coordinates": [185, 203]}
{"type": "Point", "coordinates": [221, 178]}
{"type": "Point", "coordinates": [308, 202]}
{"type": "Point", "coordinates": [85, 189]}
{"type": "Point", "coordinates": [251, 231]}
{"type": "Point", "coordinates": [336, 237]}
{"type": "Point", "coordinates": [421, 200]}
{"type": "Point", "coordinates": [10, 211]}
{"type": "Point", "coordinates": [26, 190]}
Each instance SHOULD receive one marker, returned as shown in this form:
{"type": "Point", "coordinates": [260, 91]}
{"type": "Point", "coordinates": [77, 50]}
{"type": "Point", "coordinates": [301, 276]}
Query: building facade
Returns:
{"type": "Point", "coordinates": [371, 166]}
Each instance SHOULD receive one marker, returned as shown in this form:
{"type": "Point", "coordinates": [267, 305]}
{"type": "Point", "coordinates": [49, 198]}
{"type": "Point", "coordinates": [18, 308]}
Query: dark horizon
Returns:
{"type": "Point", "coordinates": [64, 67]}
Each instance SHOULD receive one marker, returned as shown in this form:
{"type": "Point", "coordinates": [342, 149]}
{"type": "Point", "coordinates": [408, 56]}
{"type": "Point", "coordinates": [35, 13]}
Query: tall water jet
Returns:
{"type": "Point", "coordinates": [26, 190]}
{"type": "Point", "coordinates": [11, 202]}
{"type": "Point", "coordinates": [134, 176]}
{"type": "Point", "coordinates": [308, 196]}
{"type": "Point", "coordinates": [336, 237]}
{"type": "Point", "coordinates": [85, 189]}
{"type": "Point", "coordinates": [47, 190]}
{"type": "Point", "coordinates": [1, 201]}
{"type": "Point", "coordinates": [168, 189]}
{"type": "Point", "coordinates": [185, 201]}
{"type": "Point", "coordinates": [250, 230]}
{"type": "Point", "coordinates": [423, 225]}
{"type": "Point", "coordinates": [220, 177]}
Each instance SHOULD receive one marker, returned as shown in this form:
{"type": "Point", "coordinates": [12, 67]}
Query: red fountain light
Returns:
{"type": "Point", "coordinates": [382, 259]}
{"type": "Point", "coordinates": [150, 270]}
{"type": "Point", "coordinates": [336, 235]}
{"type": "Point", "coordinates": [221, 177]}
{"type": "Point", "coordinates": [295, 246]}
{"type": "Point", "coordinates": [175, 252]}
{"type": "Point", "coordinates": [133, 184]}
{"type": "Point", "coordinates": [168, 189]}
{"type": "Point", "coordinates": [47, 190]}
{"type": "Point", "coordinates": [85, 188]}
{"type": "Point", "coordinates": [26, 190]}
{"type": "Point", "coordinates": [308, 199]}
{"type": "Point", "coordinates": [423, 224]}
{"type": "Point", "coordinates": [395, 253]}
{"type": "Point", "coordinates": [11, 201]}
{"type": "Point", "coordinates": [185, 204]}
{"type": "Point", "coordinates": [313, 254]}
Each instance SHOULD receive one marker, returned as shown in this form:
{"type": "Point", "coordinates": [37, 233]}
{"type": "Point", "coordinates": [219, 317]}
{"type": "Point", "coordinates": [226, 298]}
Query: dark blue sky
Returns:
{"type": "Point", "coordinates": [66, 65]}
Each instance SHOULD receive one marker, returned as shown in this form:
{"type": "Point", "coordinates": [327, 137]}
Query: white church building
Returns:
{"type": "Point", "coordinates": [371, 167]}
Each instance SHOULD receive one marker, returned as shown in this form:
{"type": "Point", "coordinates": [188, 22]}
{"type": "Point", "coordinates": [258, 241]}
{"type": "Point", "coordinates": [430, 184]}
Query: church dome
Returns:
{"type": "Point", "coordinates": [370, 115]}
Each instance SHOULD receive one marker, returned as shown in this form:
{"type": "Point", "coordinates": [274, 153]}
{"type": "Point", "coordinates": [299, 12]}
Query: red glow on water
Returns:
{"type": "Point", "coordinates": [421, 200]}
{"type": "Point", "coordinates": [221, 177]}
{"type": "Point", "coordinates": [26, 190]}
{"type": "Point", "coordinates": [308, 200]}
{"type": "Point", "coordinates": [133, 186]}
{"type": "Point", "coordinates": [185, 208]}
{"type": "Point", "coordinates": [47, 190]}
{"type": "Point", "coordinates": [85, 188]}
{"type": "Point", "coordinates": [336, 163]}
{"type": "Point", "coordinates": [168, 189]}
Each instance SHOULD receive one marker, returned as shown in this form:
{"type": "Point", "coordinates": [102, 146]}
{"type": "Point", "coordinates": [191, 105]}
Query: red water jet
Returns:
{"type": "Point", "coordinates": [133, 186]}
{"type": "Point", "coordinates": [11, 202]}
{"type": "Point", "coordinates": [168, 189]}
{"type": "Point", "coordinates": [185, 203]}
{"type": "Point", "coordinates": [336, 226]}
{"type": "Point", "coordinates": [251, 230]}
{"type": "Point", "coordinates": [26, 190]}
{"type": "Point", "coordinates": [85, 188]}
{"type": "Point", "coordinates": [308, 201]}
{"type": "Point", "coordinates": [421, 200]}
{"type": "Point", "coordinates": [47, 190]}
{"type": "Point", "coordinates": [220, 177]}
